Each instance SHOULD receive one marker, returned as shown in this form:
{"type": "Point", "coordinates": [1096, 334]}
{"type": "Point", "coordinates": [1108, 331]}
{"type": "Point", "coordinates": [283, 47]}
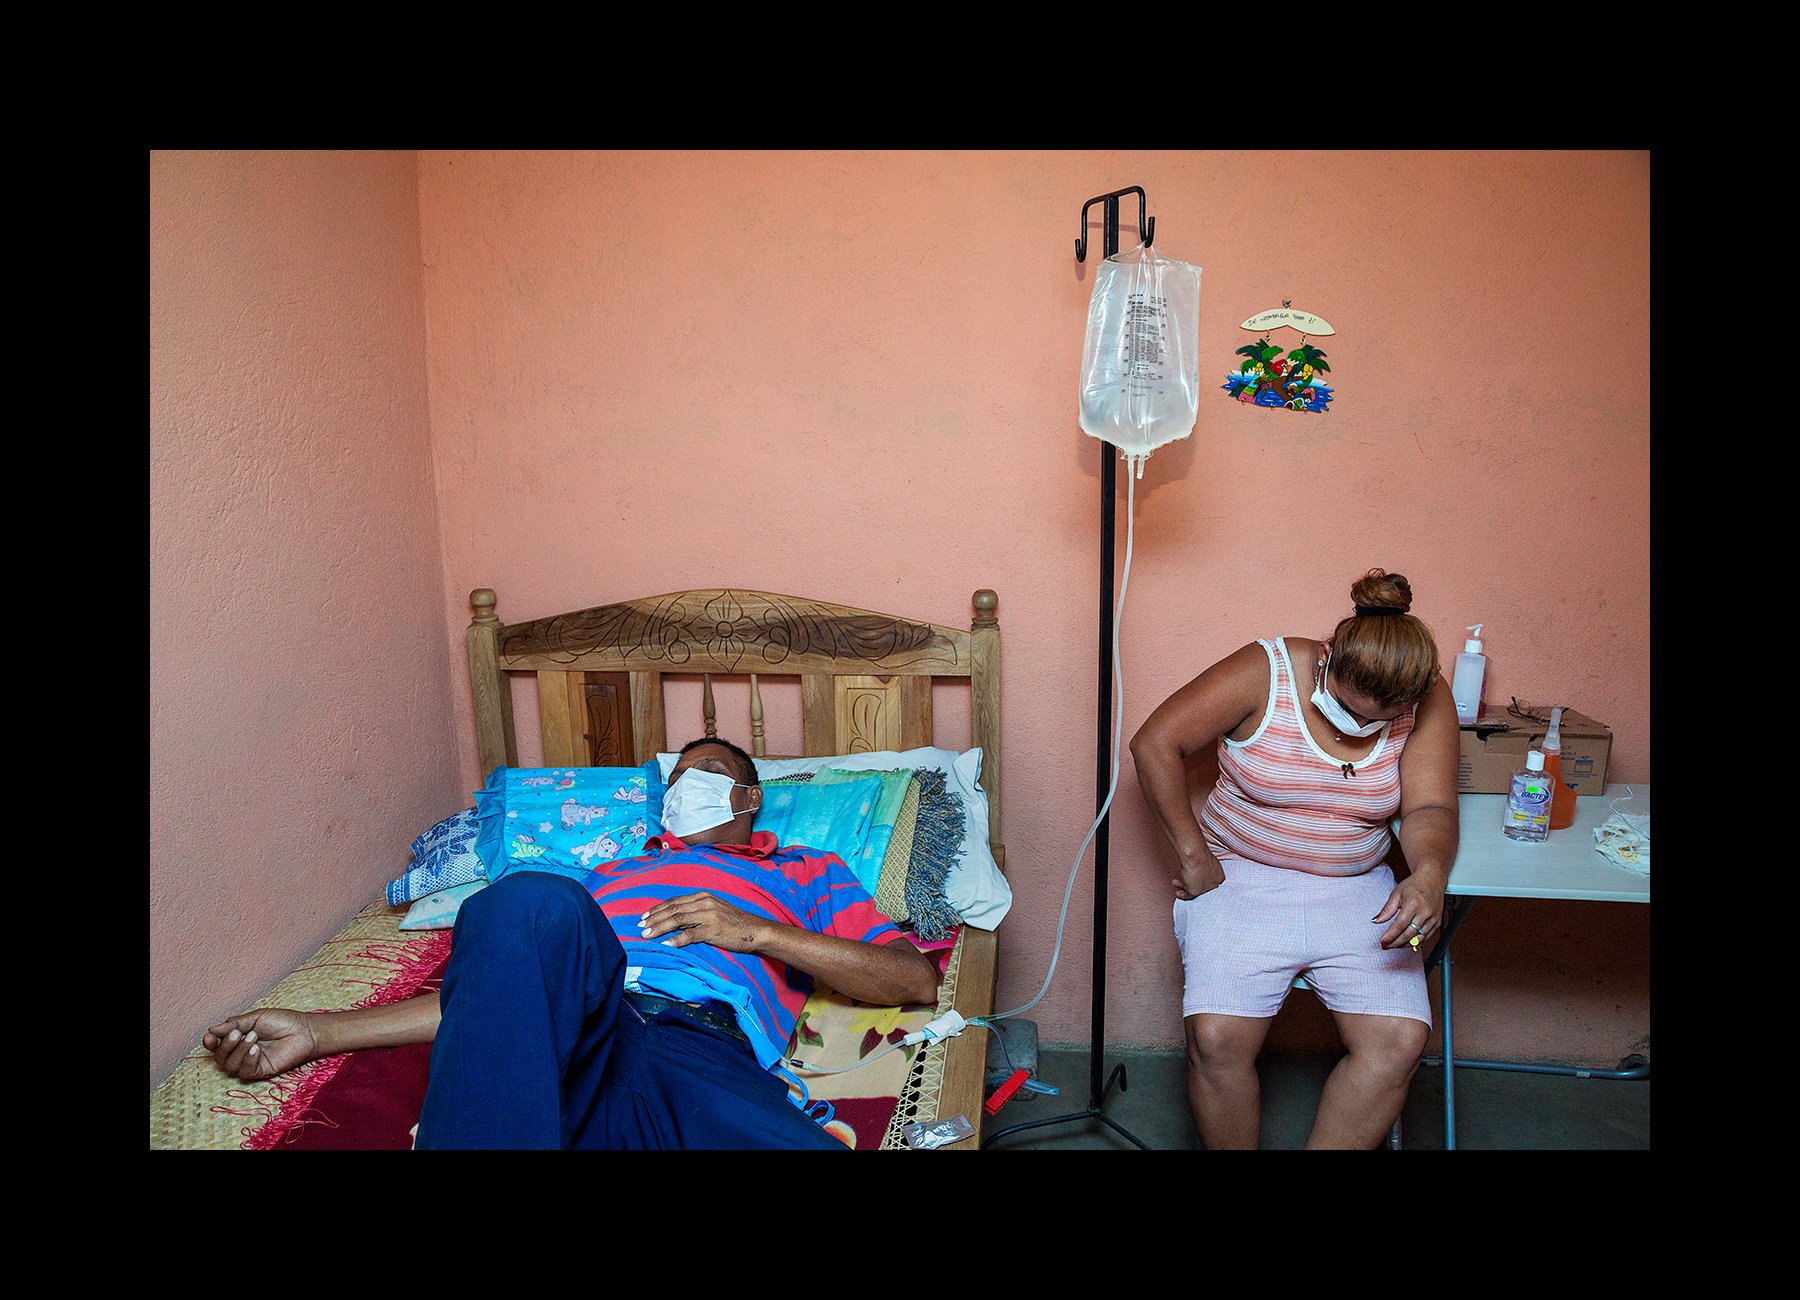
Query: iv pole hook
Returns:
{"type": "Point", "coordinates": [1146, 224]}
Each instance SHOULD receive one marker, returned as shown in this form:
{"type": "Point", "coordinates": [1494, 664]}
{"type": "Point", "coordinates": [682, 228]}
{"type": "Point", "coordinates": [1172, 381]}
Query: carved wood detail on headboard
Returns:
{"type": "Point", "coordinates": [585, 719]}
{"type": "Point", "coordinates": [881, 713]}
{"type": "Point", "coordinates": [732, 631]}
{"type": "Point", "coordinates": [609, 718]}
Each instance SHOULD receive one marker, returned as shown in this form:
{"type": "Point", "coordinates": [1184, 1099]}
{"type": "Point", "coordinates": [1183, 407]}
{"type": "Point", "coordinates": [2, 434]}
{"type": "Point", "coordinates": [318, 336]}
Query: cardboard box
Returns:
{"type": "Point", "coordinates": [1490, 757]}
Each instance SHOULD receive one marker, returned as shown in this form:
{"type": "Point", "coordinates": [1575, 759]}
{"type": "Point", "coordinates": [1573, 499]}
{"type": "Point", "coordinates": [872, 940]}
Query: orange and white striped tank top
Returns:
{"type": "Point", "coordinates": [1284, 802]}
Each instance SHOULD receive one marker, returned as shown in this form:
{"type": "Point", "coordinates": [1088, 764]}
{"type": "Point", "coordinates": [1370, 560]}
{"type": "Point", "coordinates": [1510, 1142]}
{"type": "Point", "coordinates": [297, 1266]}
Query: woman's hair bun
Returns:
{"type": "Point", "coordinates": [1393, 660]}
{"type": "Point", "coordinates": [1379, 589]}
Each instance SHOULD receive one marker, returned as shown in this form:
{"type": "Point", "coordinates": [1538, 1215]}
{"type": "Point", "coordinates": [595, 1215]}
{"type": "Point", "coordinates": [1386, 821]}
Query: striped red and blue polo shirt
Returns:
{"type": "Point", "coordinates": [793, 886]}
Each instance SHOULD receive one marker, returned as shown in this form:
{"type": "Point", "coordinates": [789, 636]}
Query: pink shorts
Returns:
{"type": "Point", "coordinates": [1243, 943]}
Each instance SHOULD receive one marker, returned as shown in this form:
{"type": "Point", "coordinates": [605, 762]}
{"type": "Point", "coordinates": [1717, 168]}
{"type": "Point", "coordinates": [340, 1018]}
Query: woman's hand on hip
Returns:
{"type": "Point", "coordinates": [1199, 875]}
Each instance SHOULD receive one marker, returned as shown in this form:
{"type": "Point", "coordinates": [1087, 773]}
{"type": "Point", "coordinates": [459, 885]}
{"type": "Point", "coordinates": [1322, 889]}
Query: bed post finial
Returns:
{"type": "Point", "coordinates": [494, 743]}
{"type": "Point", "coordinates": [985, 603]}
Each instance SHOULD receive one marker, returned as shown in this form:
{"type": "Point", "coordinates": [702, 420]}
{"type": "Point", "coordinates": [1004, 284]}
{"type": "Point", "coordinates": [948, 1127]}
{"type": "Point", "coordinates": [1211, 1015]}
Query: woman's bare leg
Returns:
{"type": "Point", "coordinates": [1224, 1093]}
{"type": "Point", "coordinates": [1366, 1092]}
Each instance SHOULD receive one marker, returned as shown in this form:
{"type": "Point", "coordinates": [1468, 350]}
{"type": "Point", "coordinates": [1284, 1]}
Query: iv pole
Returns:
{"type": "Point", "coordinates": [1103, 732]}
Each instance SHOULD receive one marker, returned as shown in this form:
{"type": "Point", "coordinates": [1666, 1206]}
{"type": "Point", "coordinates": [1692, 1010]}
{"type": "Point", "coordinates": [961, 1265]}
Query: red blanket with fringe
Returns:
{"type": "Point", "coordinates": [367, 1100]}
{"type": "Point", "coordinates": [370, 1100]}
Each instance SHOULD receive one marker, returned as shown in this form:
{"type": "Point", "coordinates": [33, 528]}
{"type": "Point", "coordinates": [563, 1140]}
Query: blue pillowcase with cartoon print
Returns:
{"type": "Point", "coordinates": [565, 820]}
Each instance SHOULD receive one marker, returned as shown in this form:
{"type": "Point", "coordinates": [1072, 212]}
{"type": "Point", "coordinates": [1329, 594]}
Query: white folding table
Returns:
{"type": "Point", "coordinates": [1565, 866]}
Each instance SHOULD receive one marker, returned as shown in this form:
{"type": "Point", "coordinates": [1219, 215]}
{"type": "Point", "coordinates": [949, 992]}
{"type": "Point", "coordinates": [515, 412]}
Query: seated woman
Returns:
{"type": "Point", "coordinates": [1285, 870]}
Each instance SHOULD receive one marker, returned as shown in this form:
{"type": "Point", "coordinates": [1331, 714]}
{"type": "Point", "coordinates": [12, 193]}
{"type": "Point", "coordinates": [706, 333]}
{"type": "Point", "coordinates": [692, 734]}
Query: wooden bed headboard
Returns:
{"type": "Point", "coordinates": [865, 678]}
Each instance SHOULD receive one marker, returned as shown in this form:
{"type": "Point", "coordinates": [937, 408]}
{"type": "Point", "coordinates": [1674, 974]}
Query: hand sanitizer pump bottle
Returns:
{"type": "Point", "coordinates": [1465, 686]}
{"type": "Point", "coordinates": [1527, 815]}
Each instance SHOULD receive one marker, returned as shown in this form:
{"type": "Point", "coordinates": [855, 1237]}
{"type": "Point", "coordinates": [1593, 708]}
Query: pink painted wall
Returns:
{"type": "Point", "coordinates": [830, 355]}
{"type": "Point", "coordinates": [852, 375]}
{"type": "Point", "coordinates": [301, 732]}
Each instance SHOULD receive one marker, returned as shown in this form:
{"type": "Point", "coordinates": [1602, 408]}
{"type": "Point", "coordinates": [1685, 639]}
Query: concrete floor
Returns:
{"type": "Point", "coordinates": [1496, 1110]}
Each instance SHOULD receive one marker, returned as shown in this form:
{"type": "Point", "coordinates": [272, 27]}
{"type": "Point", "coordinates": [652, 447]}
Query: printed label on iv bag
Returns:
{"type": "Point", "coordinates": [1141, 360]}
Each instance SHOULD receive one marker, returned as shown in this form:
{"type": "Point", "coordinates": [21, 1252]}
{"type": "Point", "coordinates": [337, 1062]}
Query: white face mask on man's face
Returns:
{"type": "Point", "coordinates": [698, 801]}
{"type": "Point", "coordinates": [1336, 714]}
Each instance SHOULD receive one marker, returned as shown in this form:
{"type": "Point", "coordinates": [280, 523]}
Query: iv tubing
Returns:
{"type": "Point", "coordinates": [986, 1022]}
{"type": "Point", "coordinates": [1118, 731]}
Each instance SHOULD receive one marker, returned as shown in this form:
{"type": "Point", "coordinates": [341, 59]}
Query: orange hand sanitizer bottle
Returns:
{"type": "Point", "coordinates": [1562, 798]}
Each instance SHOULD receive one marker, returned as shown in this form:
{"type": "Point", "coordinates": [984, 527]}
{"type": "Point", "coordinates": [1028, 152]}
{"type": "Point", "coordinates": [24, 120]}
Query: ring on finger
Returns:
{"type": "Point", "coordinates": [1416, 926]}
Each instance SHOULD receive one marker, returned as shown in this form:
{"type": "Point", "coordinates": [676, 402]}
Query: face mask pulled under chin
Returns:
{"type": "Point", "coordinates": [698, 801]}
{"type": "Point", "coordinates": [1335, 713]}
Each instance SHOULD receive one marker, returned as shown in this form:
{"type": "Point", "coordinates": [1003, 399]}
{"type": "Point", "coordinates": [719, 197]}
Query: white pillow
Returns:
{"type": "Point", "coordinates": [438, 911]}
{"type": "Point", "coordinates": [974, 886]}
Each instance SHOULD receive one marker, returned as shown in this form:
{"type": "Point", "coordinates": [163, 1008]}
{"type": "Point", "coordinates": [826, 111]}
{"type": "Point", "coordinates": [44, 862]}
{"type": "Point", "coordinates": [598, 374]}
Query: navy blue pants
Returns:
{"type": "Point", "coordinates": [538, 1048]}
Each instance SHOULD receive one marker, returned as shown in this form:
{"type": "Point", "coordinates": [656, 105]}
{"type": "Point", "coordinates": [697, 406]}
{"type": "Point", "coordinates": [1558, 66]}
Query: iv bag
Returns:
{"type": "Point", "coordinates": [1140, 364]}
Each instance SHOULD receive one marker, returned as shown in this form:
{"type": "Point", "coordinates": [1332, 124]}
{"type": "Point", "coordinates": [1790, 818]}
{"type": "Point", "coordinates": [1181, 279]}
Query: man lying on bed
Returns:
{"type": "Point", "coordinates": [540, 1037]}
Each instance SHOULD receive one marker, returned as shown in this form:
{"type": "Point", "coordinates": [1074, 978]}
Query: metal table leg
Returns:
{"type": "Point", "coordinates": [1449, 1063]}
{"type": "Point", "coordinates": [1456, 911]}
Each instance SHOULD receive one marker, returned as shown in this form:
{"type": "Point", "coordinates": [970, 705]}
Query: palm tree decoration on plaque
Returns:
{"type": "Point", "coordinates": [1295, 381]}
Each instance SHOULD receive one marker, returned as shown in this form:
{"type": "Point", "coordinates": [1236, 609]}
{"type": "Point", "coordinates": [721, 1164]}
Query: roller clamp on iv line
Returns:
{"type": "Point", "coordinates": [948, 1025]}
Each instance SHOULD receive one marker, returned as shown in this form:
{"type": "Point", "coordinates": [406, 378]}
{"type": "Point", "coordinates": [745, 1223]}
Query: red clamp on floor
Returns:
{"type": "Point", "coordinates": [1004, 1093]}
